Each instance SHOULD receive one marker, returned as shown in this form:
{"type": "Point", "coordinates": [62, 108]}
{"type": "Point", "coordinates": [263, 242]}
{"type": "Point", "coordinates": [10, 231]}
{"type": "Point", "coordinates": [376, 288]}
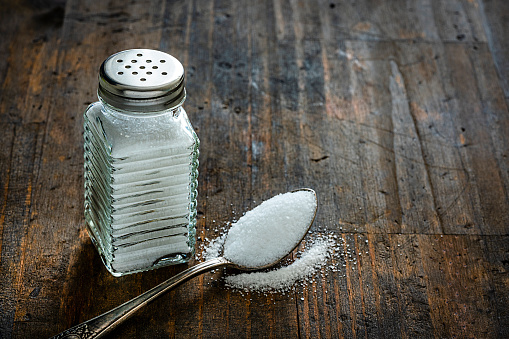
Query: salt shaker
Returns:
{"type": "Point", "coordinates": [141, 164]}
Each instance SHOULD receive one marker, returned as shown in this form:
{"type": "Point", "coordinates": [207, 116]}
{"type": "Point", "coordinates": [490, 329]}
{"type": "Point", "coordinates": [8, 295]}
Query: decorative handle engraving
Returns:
{"type": "Point", "coordinates": [77, 332]}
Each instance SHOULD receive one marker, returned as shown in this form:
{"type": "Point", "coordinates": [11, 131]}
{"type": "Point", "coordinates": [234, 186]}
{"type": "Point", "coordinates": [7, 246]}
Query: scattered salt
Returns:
{"type": "Point", "coordinates": [284, 278]}
{"type": "Point", "coordinates": [270, 231]}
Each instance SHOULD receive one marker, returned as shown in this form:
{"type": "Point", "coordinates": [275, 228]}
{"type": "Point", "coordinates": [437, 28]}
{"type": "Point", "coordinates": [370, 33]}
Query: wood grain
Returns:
{"type": "Point", "coordinates": [396, 113]}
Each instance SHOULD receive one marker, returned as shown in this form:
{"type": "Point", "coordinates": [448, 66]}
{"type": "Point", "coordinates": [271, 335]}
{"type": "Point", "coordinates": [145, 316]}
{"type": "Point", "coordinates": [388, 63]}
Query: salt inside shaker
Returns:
{"type": "Point", "coordinates": [141, 164]}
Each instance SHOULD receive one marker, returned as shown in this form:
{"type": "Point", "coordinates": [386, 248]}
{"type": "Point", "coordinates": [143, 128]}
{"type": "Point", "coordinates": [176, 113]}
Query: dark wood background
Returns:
{"type": "Point", "coordinates": [395, 112]}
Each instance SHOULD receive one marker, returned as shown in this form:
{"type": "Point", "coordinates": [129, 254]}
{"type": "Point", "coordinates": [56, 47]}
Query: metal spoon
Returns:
{"type": "Point", "coordinates": [100, 325]}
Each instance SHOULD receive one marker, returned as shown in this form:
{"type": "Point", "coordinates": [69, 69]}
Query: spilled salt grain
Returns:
{"type": "Point", "coordinates": [284, 278]}
{"type": "Point", "coordinates": [271, 230]}
{"type": "Point", "coordinates": [213, 249]}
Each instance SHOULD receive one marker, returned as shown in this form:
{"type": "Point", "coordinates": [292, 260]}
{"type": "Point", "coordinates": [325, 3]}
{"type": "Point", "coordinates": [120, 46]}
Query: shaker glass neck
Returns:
{"type": "Point", "coordinates": [119, 111]}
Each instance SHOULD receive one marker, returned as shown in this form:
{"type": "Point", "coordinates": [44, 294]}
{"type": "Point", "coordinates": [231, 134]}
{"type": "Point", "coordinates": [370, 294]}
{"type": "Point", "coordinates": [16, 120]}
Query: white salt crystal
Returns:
{"type": "Point", "coordinates": [271, 230]}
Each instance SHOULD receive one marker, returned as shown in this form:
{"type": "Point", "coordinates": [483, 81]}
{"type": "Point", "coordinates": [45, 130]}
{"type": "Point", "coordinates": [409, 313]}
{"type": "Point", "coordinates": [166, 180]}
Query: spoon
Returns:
{"type": "Point", "coordinates": [104, 323]}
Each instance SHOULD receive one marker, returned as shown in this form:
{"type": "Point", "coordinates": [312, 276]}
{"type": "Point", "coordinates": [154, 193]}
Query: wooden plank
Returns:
{"type": "Point", "coordinates": [483, 164]}
{"type": "Point", "coordinates": [416, 320]}
{"type": "Point", "coordinates": [426, 190]}
{"type": "Point", "coordinates": [385, 286]}
{"type": "Point", "coordinates": [9, 23]}
{"type": "Point", "coordinates": [29, 48]}
{"type": "Point", "coordinates": [384, 163]}
{"type": "Point", "coordinates": [459, 287]}
{"type": "Point", "coordinates": [494, 18]}
{"type": "Point", "coordinates": [455, 21]}
{"type": "Point", "coordinates": [7, 300]}
{"type": "Point", "coordinates": [497, 264]}
{"type": "Point", "coordinates": [20, 162]}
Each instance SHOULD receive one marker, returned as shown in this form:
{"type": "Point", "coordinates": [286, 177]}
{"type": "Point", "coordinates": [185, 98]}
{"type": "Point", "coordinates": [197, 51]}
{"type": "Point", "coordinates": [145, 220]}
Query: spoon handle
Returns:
{"type": "Point", "coordinates": [100, 325]}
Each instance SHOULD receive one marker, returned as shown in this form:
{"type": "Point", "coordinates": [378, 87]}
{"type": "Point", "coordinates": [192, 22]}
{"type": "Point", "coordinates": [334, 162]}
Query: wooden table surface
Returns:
{"type": "Point", "coordinates": [395, 112]}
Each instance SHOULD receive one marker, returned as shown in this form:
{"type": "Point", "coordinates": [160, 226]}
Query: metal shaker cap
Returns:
{"type": "Point", "coordinates": [142, 80]}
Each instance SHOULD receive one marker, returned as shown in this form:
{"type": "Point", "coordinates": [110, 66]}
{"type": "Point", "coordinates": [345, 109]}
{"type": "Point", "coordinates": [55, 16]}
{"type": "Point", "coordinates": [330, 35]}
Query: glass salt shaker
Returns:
{"type": "Point", "coordinates": [141, 164]}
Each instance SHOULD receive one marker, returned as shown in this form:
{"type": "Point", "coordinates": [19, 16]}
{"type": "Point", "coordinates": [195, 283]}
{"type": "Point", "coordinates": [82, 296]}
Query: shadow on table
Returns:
{"type": "Point", "coordinates": [90, 290]}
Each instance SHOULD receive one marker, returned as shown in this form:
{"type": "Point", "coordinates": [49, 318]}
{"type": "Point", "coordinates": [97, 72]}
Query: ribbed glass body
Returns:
{"type": "Point", "coordinates": [141, 178]}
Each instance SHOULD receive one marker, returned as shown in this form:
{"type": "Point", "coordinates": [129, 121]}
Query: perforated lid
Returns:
{"type": "Point", "coordinates": [142, 80]}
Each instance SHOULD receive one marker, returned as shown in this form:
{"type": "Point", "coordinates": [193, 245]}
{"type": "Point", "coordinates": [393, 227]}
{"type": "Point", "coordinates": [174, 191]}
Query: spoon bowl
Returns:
{"type": "Point", "coordinates": [285, 251]}
{"type": "Point", "coordinates": [104, 323]}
